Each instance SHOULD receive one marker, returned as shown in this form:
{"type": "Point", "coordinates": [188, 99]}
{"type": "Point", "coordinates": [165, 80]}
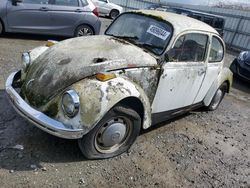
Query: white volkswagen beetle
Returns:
{"type": "Point", "coordinates": [102, 90]}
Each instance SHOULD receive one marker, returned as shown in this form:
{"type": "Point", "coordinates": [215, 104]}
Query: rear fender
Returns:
{"type": "Point", "coordinates": [225, 76]}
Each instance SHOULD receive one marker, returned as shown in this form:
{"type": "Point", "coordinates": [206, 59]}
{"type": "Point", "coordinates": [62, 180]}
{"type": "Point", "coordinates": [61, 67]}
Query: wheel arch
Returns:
{"type": "Point", "coordinates": [135, 104]}
{"type": "Point", "coordinates": [114, 9]}
{"type": "Point", "coordinates": [225, 76]}
{"type": "Point", "coordinates": [228, 85]}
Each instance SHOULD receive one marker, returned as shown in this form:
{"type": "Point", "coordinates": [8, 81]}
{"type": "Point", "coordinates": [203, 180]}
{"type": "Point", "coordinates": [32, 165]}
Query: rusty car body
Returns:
{"type": "Point", "coordinates": [102, 90]}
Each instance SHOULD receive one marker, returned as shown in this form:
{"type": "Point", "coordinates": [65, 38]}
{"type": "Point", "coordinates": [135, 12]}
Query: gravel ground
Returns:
{"type": "Point", "coordinates": [199, 149]}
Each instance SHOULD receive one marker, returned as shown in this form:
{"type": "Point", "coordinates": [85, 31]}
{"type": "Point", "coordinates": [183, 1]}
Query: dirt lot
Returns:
{"type": "Point", "coordinates": [199, 149]}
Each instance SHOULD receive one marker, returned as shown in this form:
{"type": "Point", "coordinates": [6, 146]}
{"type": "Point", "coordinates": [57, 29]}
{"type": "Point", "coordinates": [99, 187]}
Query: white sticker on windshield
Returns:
{"type": "Point", "coordinates": [158, 32]}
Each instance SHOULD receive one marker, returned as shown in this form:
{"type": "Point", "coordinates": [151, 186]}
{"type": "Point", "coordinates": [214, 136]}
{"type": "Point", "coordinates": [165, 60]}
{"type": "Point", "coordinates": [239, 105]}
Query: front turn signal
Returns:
{"type": "Point", "coordinates": [51, 43]}
{"type": "Point", "coordinates": [105, 76]}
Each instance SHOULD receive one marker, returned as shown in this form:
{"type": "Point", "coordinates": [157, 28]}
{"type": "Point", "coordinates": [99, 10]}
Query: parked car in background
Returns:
{"type": "Point", "coordinates": [50, 17]}
{"type": "Point", "coordinates": [213, 20]}
{"type": "Point", "coordinates": [241, 66]}
{"type": "Point", "coordinates": [149, 66]}
{"type": "Point", "coordinates": [106, 8]}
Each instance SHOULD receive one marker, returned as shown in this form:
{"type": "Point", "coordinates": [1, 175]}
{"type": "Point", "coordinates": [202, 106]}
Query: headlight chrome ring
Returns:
{"type": "Point", "coordinates": [70, 103]}
{"type": "Point", "coordinates": [26, 60]}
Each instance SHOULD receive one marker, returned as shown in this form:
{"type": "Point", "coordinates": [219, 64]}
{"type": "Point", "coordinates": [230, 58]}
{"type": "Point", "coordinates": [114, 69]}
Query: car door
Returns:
{"type": "Point", "coordinates": [28, 16]}
{"type": "Point", "coordinates": [65, 15]}
{"type": "Point", "coordinates": [183, 74]}
{"type": "Point", "coordinates": [214, 66]}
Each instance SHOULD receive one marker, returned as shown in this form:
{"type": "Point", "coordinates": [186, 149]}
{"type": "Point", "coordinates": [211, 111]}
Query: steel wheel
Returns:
{"type": "Point", "coordinates": [113, 134]}
{"type": "Point", "coordinates": [84, 30]}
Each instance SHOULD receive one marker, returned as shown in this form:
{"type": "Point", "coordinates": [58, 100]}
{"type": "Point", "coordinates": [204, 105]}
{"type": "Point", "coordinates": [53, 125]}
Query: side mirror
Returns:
{"type": "Point", "coordinates": [14, 2]}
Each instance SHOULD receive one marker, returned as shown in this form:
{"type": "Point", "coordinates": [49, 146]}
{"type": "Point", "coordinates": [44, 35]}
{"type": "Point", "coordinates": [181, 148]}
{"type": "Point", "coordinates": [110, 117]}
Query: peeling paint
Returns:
{"type": "Point", "coordinates": [52, 71]}
{"type": "Point", "coordinates": [71, 64]}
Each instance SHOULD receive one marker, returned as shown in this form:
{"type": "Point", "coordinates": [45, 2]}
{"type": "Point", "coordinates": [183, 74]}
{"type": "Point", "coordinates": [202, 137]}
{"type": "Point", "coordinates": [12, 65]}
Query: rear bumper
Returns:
{"type": "Point", "coordinates": [39, 119]}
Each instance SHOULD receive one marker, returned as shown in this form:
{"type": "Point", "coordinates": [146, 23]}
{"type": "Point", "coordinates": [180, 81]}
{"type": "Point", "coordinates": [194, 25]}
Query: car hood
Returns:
{"type": "Point", "coordinates": [72, 60]}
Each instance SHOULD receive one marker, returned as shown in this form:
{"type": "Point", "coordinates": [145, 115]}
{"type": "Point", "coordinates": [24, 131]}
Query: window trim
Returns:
{"type": "Point", "coordinates": [36, 3]}
{"type": "Point", "coordinates": [221, 42]}
{"type": "Point", "coordinates": [53, 2]}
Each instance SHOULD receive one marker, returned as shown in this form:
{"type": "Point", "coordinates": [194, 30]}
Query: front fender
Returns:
{"type": "Point", "coordinates": [225, 76]}
{"type": "Point", "coordinates": [97, 98]}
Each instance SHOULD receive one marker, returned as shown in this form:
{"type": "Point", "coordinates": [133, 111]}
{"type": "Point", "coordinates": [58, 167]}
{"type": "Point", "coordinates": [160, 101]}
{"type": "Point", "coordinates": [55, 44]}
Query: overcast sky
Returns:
{"type": "Point", "coordinates": [205, 2]}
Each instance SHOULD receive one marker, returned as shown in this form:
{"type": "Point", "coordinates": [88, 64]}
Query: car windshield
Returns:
{"type": "Point", "coordinates": [148, 32]}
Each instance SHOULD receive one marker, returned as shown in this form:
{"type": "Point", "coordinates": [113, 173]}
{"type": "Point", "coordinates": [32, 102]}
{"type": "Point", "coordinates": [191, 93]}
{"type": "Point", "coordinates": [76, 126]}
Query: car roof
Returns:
{"type": "Point", "coordinates": [199, 12]}
{"type": "Point", "coordinates": [179, 22]}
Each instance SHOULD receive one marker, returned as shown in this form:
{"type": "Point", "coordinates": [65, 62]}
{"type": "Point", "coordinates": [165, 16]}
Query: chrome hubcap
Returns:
{"type": "Point", "coordinates": [217, 98]}
{"type": "Point", "coordinates": [84, 32]}
{"type": "Point", "coordinates": [112, 135]}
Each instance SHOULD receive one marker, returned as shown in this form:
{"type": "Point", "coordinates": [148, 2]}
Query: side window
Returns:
{"type": "Point", "coordinates": [217, 51]}
{"type": "Point", "coordinates": [189, 48]}
{"type": "Point", "coordinates": [36, 1]}
{"type": "Point", "coordinates": [72, 3]}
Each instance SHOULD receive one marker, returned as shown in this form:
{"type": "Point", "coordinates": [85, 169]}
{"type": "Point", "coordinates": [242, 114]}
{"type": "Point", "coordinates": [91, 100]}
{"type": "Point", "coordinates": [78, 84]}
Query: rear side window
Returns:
{"type": "Point", "coordinates": [189, 48]}
{"type": "Point", "coordinates": [217, 51]}
{"type": "Point", "coordinates": [36, 1]}
{"type": "Point", "coordinates": [72, 3]}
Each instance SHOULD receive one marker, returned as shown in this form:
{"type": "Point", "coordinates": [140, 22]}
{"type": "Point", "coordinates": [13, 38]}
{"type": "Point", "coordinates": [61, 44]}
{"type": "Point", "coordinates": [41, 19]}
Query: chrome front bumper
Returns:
{"type": "Point", "coordinates": [39, 119]}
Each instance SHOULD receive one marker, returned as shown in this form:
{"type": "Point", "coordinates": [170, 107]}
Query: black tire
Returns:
{"type": "Point", "coordinates": [93, 146]}
{"type": "Point", "coordinates": [1, 28]}
{"type": "Point", "coordinates": [113, 14]}
{"type": "Point", "coordinates": [83, 30]}
{"type": "Point", "coordinates": [217, 98]}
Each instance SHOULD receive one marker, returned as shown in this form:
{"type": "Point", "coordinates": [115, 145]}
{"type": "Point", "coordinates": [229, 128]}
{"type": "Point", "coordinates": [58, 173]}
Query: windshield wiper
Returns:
{"type": "Point", "coordinates": [128, 38]}
{"type": "Point", "coordinates": [149, 46]}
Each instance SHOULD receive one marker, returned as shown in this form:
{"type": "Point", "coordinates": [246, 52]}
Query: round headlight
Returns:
{"type": "Point", "coordinates": [26, 60]}
{"type": "Point", "coordinates": [70, 103]}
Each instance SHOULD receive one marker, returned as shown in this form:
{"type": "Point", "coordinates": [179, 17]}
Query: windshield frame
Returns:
{"type": "Point", "coordinates": [149, 16]}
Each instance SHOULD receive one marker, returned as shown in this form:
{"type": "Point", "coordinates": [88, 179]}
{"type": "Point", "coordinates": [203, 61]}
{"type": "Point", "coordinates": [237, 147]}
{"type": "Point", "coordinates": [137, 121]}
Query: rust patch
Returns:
{"type": "Point", "coordinates": [99, 60]}
{"type": "Point", "coordinates": [120, 40]}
